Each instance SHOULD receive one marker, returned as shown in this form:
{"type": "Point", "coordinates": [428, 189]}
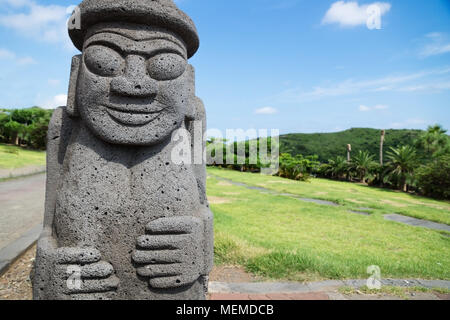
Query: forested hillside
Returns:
{"type": "Point", "coordinates": [330, 145]}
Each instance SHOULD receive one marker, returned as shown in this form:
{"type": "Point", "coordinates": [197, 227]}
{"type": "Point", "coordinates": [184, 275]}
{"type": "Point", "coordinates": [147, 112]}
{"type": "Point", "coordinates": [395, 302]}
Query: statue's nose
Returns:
{"type": "Point", "coordinates": [135, 82]}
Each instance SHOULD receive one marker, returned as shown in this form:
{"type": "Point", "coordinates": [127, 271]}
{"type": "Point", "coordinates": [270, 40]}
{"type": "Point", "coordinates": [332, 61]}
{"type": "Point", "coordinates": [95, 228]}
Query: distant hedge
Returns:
{"type": "Point", "coordinates": [25, 127]}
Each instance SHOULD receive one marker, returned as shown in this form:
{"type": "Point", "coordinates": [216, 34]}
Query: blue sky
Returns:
{"type": "Point", "coordinates": [292, 65]}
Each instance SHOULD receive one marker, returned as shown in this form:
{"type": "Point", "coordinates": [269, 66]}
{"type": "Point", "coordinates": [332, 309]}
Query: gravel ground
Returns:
{"type": "Point", "coordinates": [15, 284]}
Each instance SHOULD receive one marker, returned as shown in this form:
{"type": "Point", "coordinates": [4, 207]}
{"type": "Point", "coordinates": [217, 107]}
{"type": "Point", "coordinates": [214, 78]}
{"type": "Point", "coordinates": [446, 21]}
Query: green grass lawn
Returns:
{"type": "Point", "coordinates": [12, 157]}
{"type": "Point", "coordinates": [281, 237]}
{"type": "Point", "coordinates": [351, 196]}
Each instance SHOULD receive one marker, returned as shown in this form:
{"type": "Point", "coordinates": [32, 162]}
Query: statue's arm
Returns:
{"type": "Point", "coordinates": [52, 262]}
{"type": "Point", "coordinates": [57, 139]}
{"type": "Point", "coordinates": [198, 131]}
{"type": "Point", "coordinates": [59, 132]}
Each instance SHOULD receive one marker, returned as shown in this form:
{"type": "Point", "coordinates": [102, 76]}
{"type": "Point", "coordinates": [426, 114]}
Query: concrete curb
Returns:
{"type": "Point", "coordinates": [21, 172]}
{"type": "Point", "coordinates": [292, 287]}
{"type": "Point", "coordinates": [14, 250]}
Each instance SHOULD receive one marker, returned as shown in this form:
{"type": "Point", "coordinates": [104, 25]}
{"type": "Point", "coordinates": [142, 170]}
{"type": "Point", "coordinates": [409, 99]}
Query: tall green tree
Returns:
{"type": "Point", "coordinates": [402, 162]}
{"type": "Point", "coordinates": [361, 163]}
{"type": "Point", "coordinates": [434, 139]}
{"type": "Point", "coordinates": [13, 131]}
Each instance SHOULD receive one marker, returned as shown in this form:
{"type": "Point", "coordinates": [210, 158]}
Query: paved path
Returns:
{"type": "Point", "coordinates": [417, 222]}
{"type": "Point", "coordinates": [322, 290]}
{"type": "Point", "coordinates": [19, 172]}
{"type": "Point", "coordinates": [296, 287]}
{"type": "Point", "coordinates": [326, 295]}
{"type": "Point", "coordinates": [21, 207]}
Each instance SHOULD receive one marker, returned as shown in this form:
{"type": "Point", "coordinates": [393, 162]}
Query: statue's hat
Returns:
{"type": "Point", "coordinates": [161, 13]}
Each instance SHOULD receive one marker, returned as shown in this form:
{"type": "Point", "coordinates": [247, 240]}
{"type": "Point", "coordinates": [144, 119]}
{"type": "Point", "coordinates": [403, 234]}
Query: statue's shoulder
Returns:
{"type": "Point", "coordinates": [59, 122]}
{"type": "Point", "coordinates": [59, 130]}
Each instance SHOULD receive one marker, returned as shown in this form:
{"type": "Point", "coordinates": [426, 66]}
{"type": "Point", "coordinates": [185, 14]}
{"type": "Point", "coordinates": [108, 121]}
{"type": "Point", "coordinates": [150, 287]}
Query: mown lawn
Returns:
{"type": "Point", "coordinates": [12, 157]}
{"type": "Point", "coordinates": [281, 237]}
{"type": "Point", "coordinates": [350, 195]}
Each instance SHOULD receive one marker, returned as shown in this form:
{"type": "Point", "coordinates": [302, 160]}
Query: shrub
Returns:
{"type": "Point", "coordinates": [433, 179]}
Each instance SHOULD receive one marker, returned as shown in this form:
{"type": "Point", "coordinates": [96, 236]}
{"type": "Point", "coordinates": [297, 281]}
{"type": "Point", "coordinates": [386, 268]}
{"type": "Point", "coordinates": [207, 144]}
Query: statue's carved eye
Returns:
{"type": "Point", "coordinates": [166, 66]}
{"type": "Point", "coordinates": [103, 61]}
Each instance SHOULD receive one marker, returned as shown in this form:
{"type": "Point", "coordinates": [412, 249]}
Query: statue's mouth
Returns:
{"type": "Point", "coordinates": [133, 115]}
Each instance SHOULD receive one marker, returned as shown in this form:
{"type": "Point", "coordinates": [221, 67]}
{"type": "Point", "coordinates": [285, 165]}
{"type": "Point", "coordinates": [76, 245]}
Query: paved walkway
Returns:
{"type": "Point", "coordinates": [19, 172]}
{"type": "Point", "coordinates": [322, 290]}
{"type": "Point", "coordinates": [417, 222]}
{"type": "Point", "coordinates": [21, 207]}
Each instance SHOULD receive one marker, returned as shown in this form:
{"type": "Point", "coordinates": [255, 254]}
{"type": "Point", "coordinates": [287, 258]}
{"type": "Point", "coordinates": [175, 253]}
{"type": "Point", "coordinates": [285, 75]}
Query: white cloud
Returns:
{"type": "Point", "coordinates": [46, 23]}
{"type": "Point", "coordinates": [396, 83]}
{"type": "Point", "coordinates": [351, 14]}
{"type": "Point", "coordinates": [54, 102]}
{"type": "Point", "coordinates": [437, 44]}
{"type": "Point", "coordinates": [26, 61]}
{"type": "Point", "coordinates": [364, 108]}
{"type": "Point", "coordinates": [266, 110]}
{"type": "Point", "coordinates": [53, 82]}
{"type": "Point", "coordinates": [6, 54]}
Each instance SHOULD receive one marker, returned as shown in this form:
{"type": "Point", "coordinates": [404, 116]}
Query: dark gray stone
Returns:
{"type": "Point", "coordinates": [417, 222]}
{"type": "Point", "coordinates": [359, 212]}
{"type": "Point", "coordinates": [121, 216]}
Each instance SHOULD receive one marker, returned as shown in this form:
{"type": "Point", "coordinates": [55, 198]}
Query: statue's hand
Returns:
{"type": "Point", "coordinates": [171, 254]}
{"type": "Point", "coordinates": [80, 271]}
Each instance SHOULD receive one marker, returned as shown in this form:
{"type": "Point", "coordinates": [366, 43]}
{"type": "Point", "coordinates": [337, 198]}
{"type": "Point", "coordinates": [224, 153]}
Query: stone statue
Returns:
{"type": "Point", "coordinates": [122, 221]}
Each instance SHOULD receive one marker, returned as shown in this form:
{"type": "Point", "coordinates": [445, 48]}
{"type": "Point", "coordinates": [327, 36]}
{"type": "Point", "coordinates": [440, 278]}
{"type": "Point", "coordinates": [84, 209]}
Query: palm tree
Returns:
{"type": "Point", "coordinates": [434, 139]}
{"type": "Point", "coordinates": [361, 164]}
{"type": "Point", "coordinates": [402, 161]}
{"type": "Point", "coordinates": [337, 167]}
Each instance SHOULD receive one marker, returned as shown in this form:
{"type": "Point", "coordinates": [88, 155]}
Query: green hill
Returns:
{"type": "Point", "coordinates": [330, 145]}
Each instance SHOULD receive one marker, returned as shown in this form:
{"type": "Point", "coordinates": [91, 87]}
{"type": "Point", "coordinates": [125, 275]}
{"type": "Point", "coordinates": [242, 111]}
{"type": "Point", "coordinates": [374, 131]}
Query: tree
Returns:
{"type": "Point", "coordinates": [298, 167]}
{"type": "Point", "coordinates": [361, 163]}
{"type": "Point", "coordinates": [37, 134]}
{"type": "Point", "coordinates": [336, 168]}
{"type": "Point", "coordinates": [433, 179]}
{"type": "Point", "coordinates": [433, 140]}
{"type": "Point", "coordinates": [13, 130]}
{"type": "Point", "coordinates": [25, 126]}
{"type": "Point", "coordinates": [402, 162]}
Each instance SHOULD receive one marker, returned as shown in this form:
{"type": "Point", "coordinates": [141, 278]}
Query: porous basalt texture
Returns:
{"type": "Point", "coordinates": [123, 219]}
{"type": "Point", "coordinates": [162, 13]}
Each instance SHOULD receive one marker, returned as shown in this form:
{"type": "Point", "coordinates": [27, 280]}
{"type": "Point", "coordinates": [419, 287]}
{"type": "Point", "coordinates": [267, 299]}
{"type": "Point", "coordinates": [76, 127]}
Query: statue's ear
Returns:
{"type": "Point", "coordinates": [71, 107]}
{"type": "Point", "coordinates": [190, 112]}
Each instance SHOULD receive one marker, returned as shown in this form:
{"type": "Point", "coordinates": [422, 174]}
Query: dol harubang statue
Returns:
{"type": "Point", "coordinates": [120, 216]}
